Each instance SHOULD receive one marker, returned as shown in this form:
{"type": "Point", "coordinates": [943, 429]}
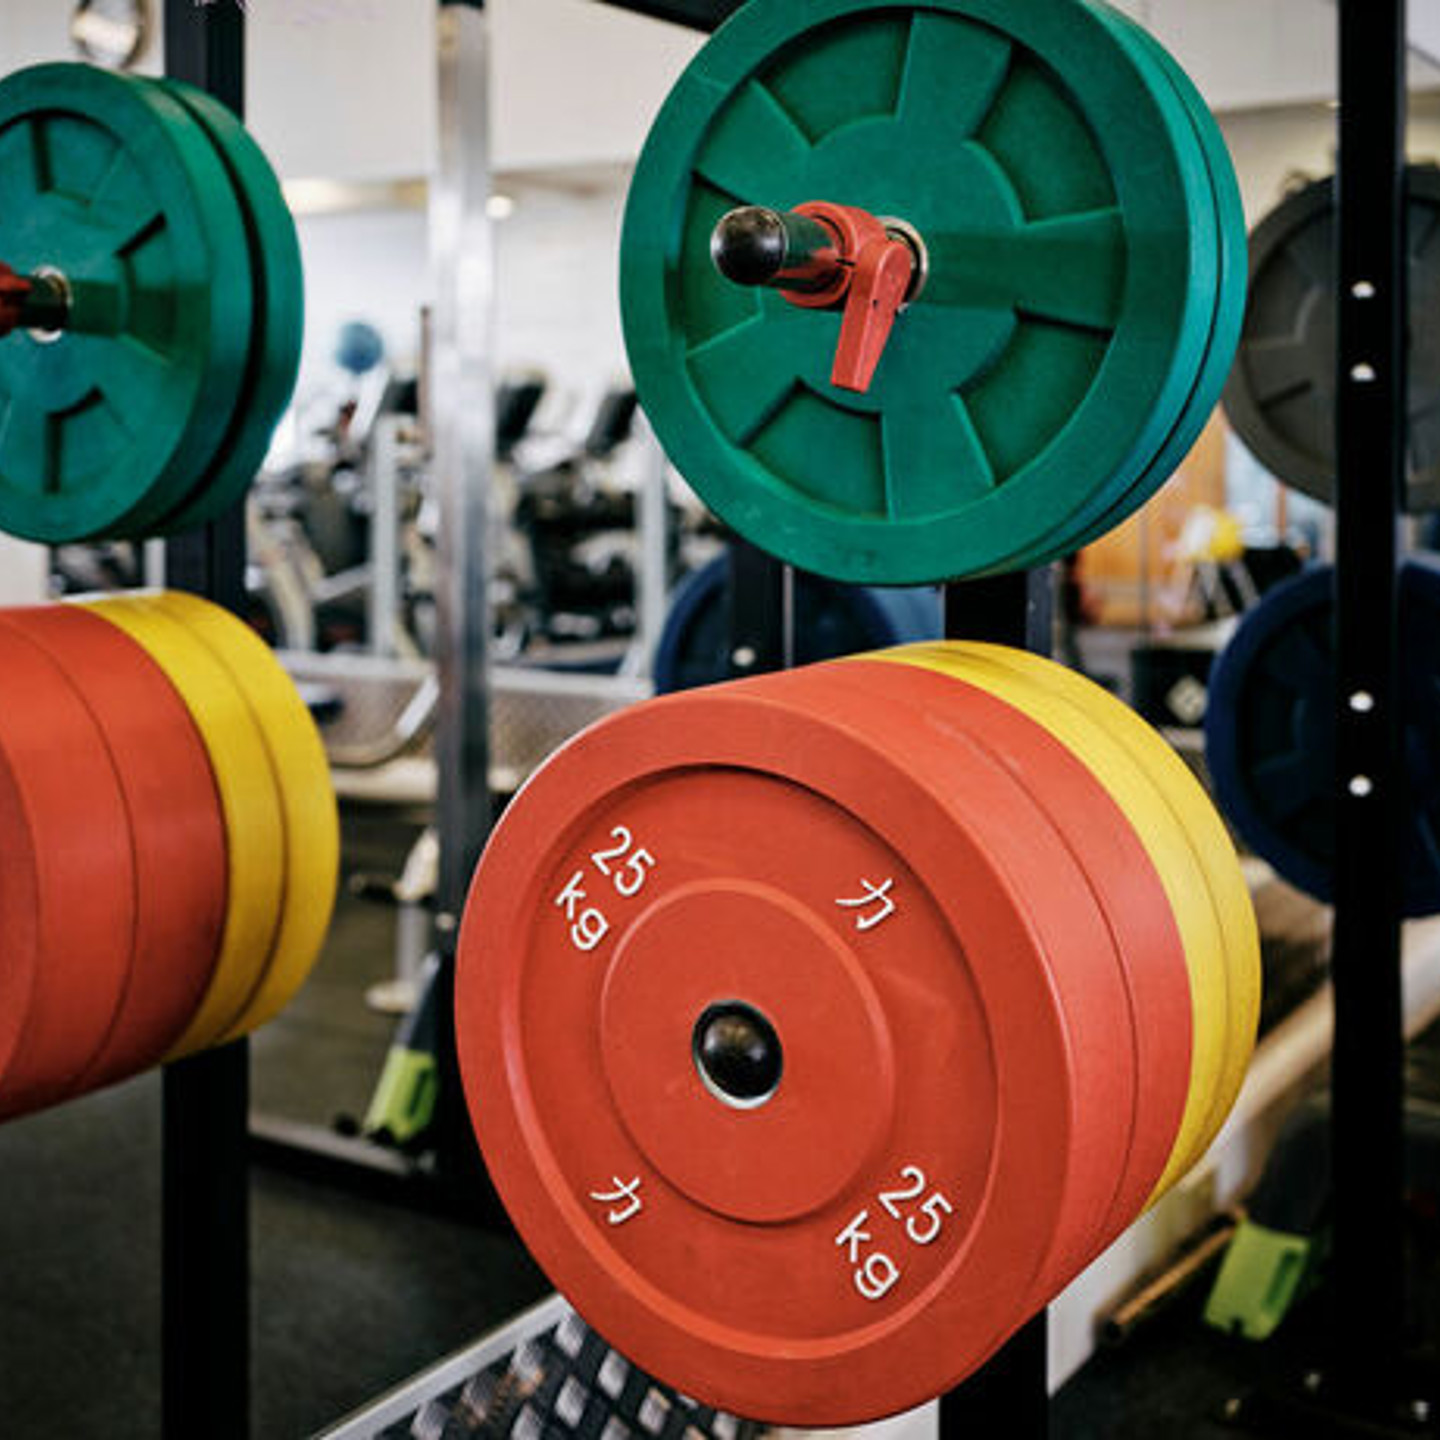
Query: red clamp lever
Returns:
{"type": "Point", "coordinates": [15, 291]}
{"type": "Point", "coordinates": [825, 257]}
{"type": "Point", "coordinates": [880, 282]}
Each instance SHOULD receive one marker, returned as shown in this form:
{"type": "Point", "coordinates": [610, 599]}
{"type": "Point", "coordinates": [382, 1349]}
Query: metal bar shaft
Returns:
{"type": "Point", "coordinates": [1370, 421]}
{"type": "Point", "coordinates": [206, 1224]}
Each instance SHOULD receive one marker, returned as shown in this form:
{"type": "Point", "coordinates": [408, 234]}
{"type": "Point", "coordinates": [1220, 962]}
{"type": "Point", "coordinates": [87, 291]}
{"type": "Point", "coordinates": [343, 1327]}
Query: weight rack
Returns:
{"type": "Point", "coordinates": [206, 1214]}
{"type": "Point", "coordinates": [205, 1290]}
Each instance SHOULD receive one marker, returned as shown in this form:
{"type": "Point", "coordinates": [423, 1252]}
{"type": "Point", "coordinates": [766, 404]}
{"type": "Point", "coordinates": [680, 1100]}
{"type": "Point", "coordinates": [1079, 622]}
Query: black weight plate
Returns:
{"type": "Point", "coordinates": [830, 620]}
{"type": "Point", "coordinates": [1281, 393]}
{"type": "Point", "coordinates": [1270, 731]}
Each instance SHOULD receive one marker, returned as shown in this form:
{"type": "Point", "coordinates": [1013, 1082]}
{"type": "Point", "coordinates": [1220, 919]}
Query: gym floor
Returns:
{"type": "Point", "coordinates": [353, 1295]}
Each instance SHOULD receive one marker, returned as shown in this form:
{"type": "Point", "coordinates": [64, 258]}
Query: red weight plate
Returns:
{"type": "Point", "coordinates": [938, 736]}
{"type": "Point", "coordinates": [845, 1249]}
{"type": "Point", "coordinates": [75, 810]}
{"type": "Point", "coordinates": [19, 916]}
{"type": "Point", "coordinates": [1128, 890]}
{"type": "Point", "coordinates": [176, 821]}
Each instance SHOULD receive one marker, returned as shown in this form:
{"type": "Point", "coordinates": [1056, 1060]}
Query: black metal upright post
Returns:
{"type": "Point", "coordinates": [762, 622]}
{"type": "Point", "coordinates": [1010, 1396]}
{"type": "Point", "coordinates": [1368, 1263]}
{"type": "Point", "coordinates": [206, 1267]}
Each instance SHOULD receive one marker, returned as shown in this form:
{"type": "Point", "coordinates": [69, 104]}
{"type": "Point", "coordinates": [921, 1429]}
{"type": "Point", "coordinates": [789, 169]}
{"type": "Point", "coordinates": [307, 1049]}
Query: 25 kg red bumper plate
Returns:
{"type": "Point", "coordinates": [763, 1041]}
{"type": "Point", "coordinates": [175, 820]}
{"type": "Point", "coordinates": [1154, 986]}
{"type": "Point", "coordinates": [79, 829]}
{"type": "Point", "coordinates": [19, 913]}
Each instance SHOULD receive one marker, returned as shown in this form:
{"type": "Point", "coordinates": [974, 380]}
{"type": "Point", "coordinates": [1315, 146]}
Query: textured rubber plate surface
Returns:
{"type": "Point", "coordinates": [1270, 731]}
{"type": "Point", "coordinates": [302, 779]}
{"type": "Point", "coordinates": [1209, 841]}
{"type": "Point", "coordinates": [1281, 395]}
{"type": "Point", "coordinates": [175, 821]}
{"type": "Point", "coordinates": [1128, 889]}
{"type": "Point", "coordinates": [254, 824]}
{"type": "Point", "coordinates": [656, 866]}
{"type": "Point", "coordinates": [279, 321]}
{"type": "Point", "coordinates": [1070, 303]}
{"type": "Point", "coordinates": [72, 805]}
{"type": "Point", "coordinates": [112, 183]}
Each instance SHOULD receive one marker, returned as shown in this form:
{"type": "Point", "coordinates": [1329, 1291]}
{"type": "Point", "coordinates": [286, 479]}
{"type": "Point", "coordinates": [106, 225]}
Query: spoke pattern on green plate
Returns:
{"type": "Point", "coordinates": [125, 208]}
{"type": "Point", "coordinates": [934, 460]}
{"type": "Point", "coordinates": [744, 373]}
{"type": "Point", "coordinates": [24, 171]}
{"type": "Point", "coordinates": [130, 387]}
{"type": "Point", "coordinates": [24, 434]}
{"type": "Point", "coordinates": [1280, 369]}
{"type": "Point", "coordinates": [755, 149]}
{"type": "Point", "coordinates": [954, 72]}
{"type": "Point", "coordinates": [1070, 269]}
{"type": "Point", "coordinates": [39, 157]}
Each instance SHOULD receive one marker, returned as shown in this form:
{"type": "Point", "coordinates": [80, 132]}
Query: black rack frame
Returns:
{"type": "Point", "coordinates": [1371, 431]}
{"type": "Point", "coordinates": [206, 1216]}
{"type": "Point", "coordinates": [205, 1326]}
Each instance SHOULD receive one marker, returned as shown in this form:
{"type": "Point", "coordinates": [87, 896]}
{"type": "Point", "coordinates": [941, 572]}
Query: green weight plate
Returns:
{"type": "Point", "coordinates": [111, 182]}
{"type": "Point", "coordinates": [1211, 175]}
{"type": "Point", "coordinates": [279, 311]}
{"type": "Point", "coordinates": [1065, 314]}
{"type": "Point", "coordinates": [1229, 311]}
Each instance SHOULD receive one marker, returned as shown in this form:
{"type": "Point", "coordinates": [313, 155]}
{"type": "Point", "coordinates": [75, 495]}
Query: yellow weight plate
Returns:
{"type": "Point", "coordinates": [1180, 873]}
{"type": "Point", "coordinates": [254, 830]}
{"type": "Point", "coordinates": [307, 797]}
{"type": "Point", "coordinates": [1208, 836]}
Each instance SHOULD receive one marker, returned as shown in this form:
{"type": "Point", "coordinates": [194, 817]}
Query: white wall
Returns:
{"type": "Point", "coordinates": [24, 572]}
{"type": "Point", "coordinates": [1271, 147]}
{"type": "Point", "coordinates": [35, 30]}
{"type": "Point", "coordinates": [557, 258]}
{"type": "Point", "coordinates": [345, 89]}
{"type": "Point", "coordinates": [578, 82]}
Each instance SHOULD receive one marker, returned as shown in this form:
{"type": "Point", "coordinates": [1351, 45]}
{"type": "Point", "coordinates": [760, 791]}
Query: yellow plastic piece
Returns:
{"type": "Point", "coordinates": [254, 830]}
{"type": "Point", "coordinates": [1161, 816]}
{"type": "Point", "coordinates": [302, 772]}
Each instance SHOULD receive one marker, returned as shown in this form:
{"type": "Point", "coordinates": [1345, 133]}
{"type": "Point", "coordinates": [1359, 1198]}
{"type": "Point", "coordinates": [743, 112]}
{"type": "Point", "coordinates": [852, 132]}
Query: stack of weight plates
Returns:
{"type": "Point", "coordinates": [1281, 394]}
{"type": "Point", "coordinates": [830, 621]}
{"type": "Point", "coordinates": [167, 223]}
{"type": "Point", "coordinates": [1270, 731]}
{"type": "Point", "coordinates": [819, 1028]}
{"type": "Point", "coordinates": [168, 840]}
{"type": "Point", "coordinates": [1085, 288]}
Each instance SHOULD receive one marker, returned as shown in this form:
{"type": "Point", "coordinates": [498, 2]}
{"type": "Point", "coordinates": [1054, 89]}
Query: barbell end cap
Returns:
{"type": "Point", "coordinates": [749, 246]}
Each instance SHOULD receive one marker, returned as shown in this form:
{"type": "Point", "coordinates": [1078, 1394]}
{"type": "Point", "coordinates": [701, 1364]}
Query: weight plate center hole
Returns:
{"type": "Point", "coordinates": [55, 295]}
{"type": "Point", "coordinates": [738, 1054]}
